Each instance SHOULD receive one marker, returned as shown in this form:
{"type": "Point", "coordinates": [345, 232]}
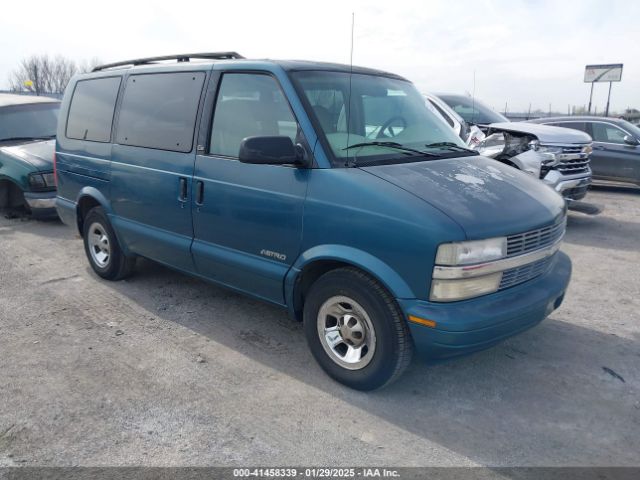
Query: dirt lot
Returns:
{"type": "Point", "coordinates": [163, 369]}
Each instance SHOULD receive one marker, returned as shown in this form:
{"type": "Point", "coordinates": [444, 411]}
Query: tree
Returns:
{"type": "Point", "coordinates": [85, 66]}
{"type": "Point", "coordinates": [43, 74]}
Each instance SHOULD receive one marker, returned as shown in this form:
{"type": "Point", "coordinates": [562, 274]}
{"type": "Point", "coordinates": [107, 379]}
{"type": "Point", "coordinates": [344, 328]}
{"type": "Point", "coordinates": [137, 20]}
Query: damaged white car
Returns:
{"type": "Point", "coordinates": [558, 156]}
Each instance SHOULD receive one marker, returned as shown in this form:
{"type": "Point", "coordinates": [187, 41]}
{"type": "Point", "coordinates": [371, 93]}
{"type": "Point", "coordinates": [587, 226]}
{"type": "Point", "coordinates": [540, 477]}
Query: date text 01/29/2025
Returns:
{"type": "Point", "coordinates": [315, 473]}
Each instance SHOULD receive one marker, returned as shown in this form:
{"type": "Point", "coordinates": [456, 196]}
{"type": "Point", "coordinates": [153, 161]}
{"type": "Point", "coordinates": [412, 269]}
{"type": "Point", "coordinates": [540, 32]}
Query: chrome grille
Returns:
{"type": "Point", "coordinates": [524, 273]}
{"type": "Point", "coordinates": [572, 161]}
{"type": "Point", "coordinates": [573, 149]}
{"type": "Point", "coordinates": [535, 239]}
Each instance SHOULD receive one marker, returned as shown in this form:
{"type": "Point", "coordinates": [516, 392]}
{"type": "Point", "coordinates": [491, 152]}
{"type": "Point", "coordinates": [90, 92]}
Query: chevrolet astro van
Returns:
{"type": "Point", "coordinates": [330, 190]}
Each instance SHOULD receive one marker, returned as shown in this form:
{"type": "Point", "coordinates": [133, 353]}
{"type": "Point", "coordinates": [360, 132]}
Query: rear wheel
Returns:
{"type": "Point", "coordinates": [102, 248]}
{"type": "Point", "coordinates": [355, 330]}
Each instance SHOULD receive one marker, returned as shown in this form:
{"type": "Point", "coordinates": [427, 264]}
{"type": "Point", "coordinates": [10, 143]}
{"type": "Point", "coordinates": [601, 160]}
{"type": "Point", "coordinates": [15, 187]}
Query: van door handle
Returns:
{"type": "Point", "coordinates": [599, 147]}
{"type": "Point", "coordinates": [183, 189]}
{"type": "Point", "coordinates": [199, 192]}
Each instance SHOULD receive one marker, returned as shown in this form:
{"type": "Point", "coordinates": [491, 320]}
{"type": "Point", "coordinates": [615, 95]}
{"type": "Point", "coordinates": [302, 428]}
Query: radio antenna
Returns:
{"type": "Point", "coordinates": [353, 21]}
{"type": "Point", "coordinates": [473, 98]}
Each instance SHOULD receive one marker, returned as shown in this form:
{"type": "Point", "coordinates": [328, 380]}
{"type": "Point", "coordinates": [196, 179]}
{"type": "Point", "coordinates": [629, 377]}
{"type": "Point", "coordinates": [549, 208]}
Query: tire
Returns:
{"type": "Point", "coordinates": [102, 248]}
{"type": "Point", "coordinates": [350, 310]}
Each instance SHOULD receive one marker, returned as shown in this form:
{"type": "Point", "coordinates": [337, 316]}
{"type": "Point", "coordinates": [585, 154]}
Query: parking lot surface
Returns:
{"type": "Point", "coordinates": [164, 369]}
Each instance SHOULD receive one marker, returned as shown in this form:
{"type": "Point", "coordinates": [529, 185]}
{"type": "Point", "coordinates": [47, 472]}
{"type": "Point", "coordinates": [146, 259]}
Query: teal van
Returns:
{"type": "Point", "coordinates": [329, 190]}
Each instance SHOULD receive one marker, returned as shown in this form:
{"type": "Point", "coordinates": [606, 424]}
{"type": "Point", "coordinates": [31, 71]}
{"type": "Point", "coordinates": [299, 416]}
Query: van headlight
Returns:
{"type": "Point", "coordinates": [476, 251]}
{"type": "Point", "coordinates": [468, 257]}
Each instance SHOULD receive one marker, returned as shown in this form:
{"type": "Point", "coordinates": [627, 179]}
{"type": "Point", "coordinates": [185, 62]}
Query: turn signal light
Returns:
{"type": "Point", "coordinates": [422, 321]}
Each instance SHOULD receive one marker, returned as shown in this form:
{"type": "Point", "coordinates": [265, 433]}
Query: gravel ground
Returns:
{"type": "Point", "coordinates": [163, 369]}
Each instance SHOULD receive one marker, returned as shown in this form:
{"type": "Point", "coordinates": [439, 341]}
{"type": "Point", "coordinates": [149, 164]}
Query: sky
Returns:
{"type": "Point", "coordinates": [520, 52]}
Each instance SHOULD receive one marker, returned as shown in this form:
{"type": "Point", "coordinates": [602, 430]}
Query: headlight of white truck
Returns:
{"type": "Point", "coordinates": [548, 152]}
{"type": "Point", "coordinates": [472, 253]}
{"type": "Point", "coordinates": [492, 146]}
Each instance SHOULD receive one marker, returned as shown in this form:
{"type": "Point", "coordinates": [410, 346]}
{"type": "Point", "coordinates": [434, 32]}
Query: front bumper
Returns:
{"type": "Point", "coordinates": [471, 325]}
{"type": "Point", "coordinates": [41, 204]}
{"type": "Point", "coordinates": [571, 187]}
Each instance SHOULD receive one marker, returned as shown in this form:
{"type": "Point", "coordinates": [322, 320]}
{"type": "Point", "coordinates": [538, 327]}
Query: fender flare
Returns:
{"type": "Point", "coordinates": [96, 194]}
{"type": "Point", "coordinates": [375, 267]}
{"type": "Point", "coordinates": [99, 197]}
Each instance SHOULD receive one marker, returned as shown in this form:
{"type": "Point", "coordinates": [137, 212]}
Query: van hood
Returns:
{"type": "Point", "coordinates": [544, 133]}
{"type": "Point", "coordinates": [485, 197]}
{"type": "Point", "coordinates": [38, 155]}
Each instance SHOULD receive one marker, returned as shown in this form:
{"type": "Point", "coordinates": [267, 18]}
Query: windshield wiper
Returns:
{"type": "Point", "coordinates": [39, 137]}
{"type": "Point", "coordinates": [450, 146]}
{"type": "Point", "coordinates": [396, 145]}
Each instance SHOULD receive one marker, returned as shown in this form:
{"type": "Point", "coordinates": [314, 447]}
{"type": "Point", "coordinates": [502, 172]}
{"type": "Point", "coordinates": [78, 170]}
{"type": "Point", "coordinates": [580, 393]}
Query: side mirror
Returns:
{"type": "Point", "coordinates": [629, 140]}
{"type": "Point", "coordinates": [270, 150]}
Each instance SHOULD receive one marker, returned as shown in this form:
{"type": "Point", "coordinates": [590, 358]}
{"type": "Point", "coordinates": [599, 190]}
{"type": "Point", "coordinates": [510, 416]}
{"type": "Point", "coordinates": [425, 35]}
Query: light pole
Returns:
{"type": "Point", "coordinates": [606, 113]}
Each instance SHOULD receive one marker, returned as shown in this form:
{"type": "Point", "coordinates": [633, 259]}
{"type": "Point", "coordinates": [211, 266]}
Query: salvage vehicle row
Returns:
{"type": "Point", "coordinates": [559, 157]}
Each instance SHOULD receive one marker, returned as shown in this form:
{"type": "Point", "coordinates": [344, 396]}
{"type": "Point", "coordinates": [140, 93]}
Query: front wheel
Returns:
{"type": "Point", "coordinates": [102, 248]}
{"type": "Point", "coordinates": [355, 330]}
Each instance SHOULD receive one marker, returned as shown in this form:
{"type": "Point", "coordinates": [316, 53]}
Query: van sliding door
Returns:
{"type": "Point", "coordinates": [152, 165]}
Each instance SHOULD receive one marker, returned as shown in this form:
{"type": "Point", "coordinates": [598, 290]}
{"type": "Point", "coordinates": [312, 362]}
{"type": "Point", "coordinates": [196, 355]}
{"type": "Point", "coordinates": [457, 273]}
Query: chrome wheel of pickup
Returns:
{"type": "Point", "coordinates": [99, 245]}
{"type": "Point", "coordinates": [346, 332]}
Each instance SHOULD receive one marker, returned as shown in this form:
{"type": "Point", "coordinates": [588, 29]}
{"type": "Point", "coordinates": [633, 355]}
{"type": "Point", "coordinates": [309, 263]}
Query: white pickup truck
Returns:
{"type": "Point", "coordinates": [558, 156]}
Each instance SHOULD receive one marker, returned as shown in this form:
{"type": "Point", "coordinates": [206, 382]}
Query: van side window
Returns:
{"type": "Point", "coordinates": [159, 110]}
{"type": "Point", "coordinates": [249, 105]}
{"type": "Point", "coordinates": [91, 110]}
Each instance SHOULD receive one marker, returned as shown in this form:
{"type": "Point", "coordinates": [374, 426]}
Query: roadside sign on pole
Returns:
{"type": "Point", "coordinates": [603, 73]}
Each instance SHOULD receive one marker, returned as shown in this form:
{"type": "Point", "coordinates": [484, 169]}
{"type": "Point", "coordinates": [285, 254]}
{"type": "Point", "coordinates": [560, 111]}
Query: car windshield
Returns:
{"type": "Point", "coordinates": [631, 128]}
{"type": "Point", "coordinates": [473, 111]}
{"type": "Point", "coordinates": [33, 120]}
{"type": "Point", "coordinates": [388, 122]}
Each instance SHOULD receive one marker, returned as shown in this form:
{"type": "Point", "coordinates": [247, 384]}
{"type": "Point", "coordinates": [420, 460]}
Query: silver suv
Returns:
{"type": "Point", "coordinates": [558, 156]}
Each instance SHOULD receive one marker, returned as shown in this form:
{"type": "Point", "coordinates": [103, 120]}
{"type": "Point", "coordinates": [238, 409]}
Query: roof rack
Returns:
{"type": "Point", "coordinates": [184, 57]}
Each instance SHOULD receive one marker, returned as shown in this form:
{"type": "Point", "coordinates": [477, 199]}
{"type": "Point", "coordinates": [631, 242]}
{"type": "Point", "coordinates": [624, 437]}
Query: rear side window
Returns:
{"type": "Point", "coordinates": [91, 109]}
{"type": "Point", "coordinates": [582, 126]}
{"type": "Point", "coordinates": [603, 132]}
{"type": "Point", "coordinates": [159, 110]}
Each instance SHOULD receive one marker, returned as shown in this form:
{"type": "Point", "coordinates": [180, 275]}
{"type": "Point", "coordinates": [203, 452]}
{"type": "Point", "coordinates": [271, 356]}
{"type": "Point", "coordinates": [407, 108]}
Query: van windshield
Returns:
{"type": "Point", "coordinates": [387, 121]}
{"type": "Point", "coordinates": [473, 110]}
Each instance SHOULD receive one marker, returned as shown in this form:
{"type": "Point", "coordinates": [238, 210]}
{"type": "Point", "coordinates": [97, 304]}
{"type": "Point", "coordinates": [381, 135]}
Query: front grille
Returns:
{"type": "Point", "coordinates": [571, 167]}
{"type": "Point", "coordinates": [535, 239]}
{"type": "Point", "coordinates": [527, 242]}
{"type": "Point", "coordinates": [572, 161]}
{"type": "Point", "coordinates": [572, 149]}
{"type": "Point", "coordinates": [526, 272]}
